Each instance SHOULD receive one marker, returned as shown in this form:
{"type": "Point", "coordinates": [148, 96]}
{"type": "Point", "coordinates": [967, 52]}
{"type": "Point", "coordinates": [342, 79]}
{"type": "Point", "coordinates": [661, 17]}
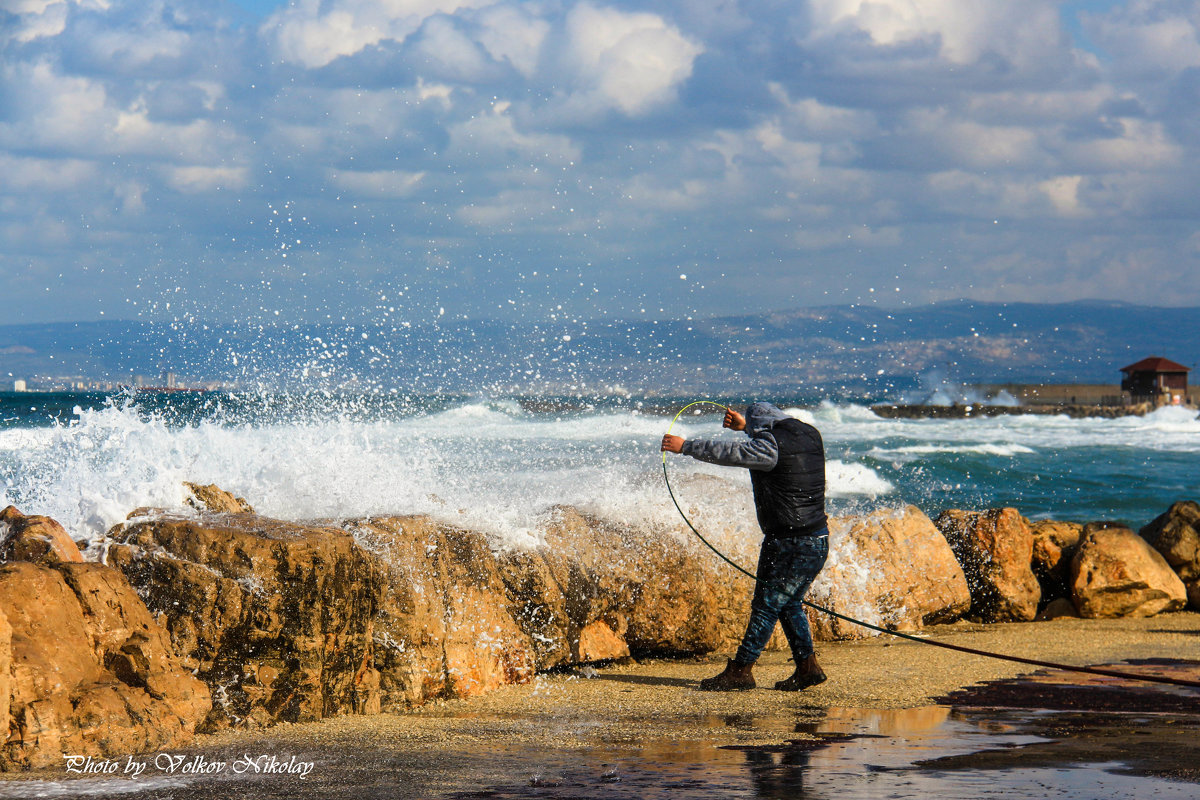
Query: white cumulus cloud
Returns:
{"type": "Point", "coordinates": [1149, 38]}
{"type": "Point", "coordinates": [631, 62]}
{"type": "Point", "coordinates": [315, 32]}
{"type": "Point", "coordinates": [961, 30]}
{"type": "Point", "coordinates": [512, 34]}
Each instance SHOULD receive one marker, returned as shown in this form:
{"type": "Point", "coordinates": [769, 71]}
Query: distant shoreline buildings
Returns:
{"type": "Point", "coordinates": [74, 383]}
{"type": "Point", "coordinates": [1155, 381]}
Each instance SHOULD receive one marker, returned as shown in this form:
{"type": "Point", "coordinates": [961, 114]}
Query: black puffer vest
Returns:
{"type": "Point", "coordinates": [790, 499]}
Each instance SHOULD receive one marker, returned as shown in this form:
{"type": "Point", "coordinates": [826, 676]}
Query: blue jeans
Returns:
{"type": "Point", "coordinates": [786, 568]}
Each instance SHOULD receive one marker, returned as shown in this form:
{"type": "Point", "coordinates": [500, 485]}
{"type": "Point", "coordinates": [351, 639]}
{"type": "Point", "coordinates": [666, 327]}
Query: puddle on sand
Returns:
{"type": "Point", "coordinates": [1031, 737]}
{"type": "Point", "coordinates": [988, 745]}
{"type": "Point", "coordinates": [917, 753]}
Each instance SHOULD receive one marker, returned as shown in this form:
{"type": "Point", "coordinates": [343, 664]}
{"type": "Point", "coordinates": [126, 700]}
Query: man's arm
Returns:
{"type": "Point", "coordinates": [761, 452]}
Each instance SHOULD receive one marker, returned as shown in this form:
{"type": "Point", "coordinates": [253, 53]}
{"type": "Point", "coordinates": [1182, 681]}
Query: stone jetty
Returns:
{"type": "Point", "coordinates": [977, 410]}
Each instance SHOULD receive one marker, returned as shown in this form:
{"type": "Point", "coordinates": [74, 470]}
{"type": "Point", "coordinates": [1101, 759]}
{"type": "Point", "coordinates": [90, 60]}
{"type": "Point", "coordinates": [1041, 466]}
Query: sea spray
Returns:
{"type": "Point", "coordinates": [497, 466]}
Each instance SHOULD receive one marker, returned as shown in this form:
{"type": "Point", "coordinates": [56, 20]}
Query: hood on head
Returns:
{"type": "Point", "coordinates": [762, 417]}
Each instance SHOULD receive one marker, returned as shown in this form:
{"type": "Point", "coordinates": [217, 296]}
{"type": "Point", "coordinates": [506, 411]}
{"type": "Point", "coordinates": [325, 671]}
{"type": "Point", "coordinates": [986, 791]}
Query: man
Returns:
{"type": "Point", "coordinates": [786, 459]}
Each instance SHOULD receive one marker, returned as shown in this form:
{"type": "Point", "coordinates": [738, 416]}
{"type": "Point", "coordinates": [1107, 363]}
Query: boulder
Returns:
{"type": "Point", "coordinates": [891, 568]}
{"type": "Point", "coordinates": [598, 642]}
{"type": "Point", "coordinates": [210, 497]}
{"type": "Point", "coordinates": [131, 644]}
{"type": "Point", "coordinates": [36, 539]}
{"type": "Point", "coordinates": [89, 672]}
{"type": "Point", "coordinates": [1116, 573]}
{"type": "Point", "coordinates": [1176, 535]}
{"type": "Point", "coordinates": [1054, 545]}
{"type": "Point", "coordinates": [995, 550]}
{"type": "Point", "coordinates": [443, 625]}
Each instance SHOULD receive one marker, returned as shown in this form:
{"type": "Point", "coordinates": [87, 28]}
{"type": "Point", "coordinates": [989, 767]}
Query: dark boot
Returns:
{"type": "Point", "coordinates": [808, 673]}
{"type": "Point", "coordinates": [735, 677]}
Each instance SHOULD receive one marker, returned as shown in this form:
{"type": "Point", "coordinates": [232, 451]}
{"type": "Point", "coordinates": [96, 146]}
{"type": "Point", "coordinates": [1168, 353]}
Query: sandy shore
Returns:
{"type": "Point", "coordinates": [640, 729]}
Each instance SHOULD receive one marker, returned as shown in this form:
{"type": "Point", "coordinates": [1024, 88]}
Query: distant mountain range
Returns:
{"type": "Point", "coordinates": [836, 350]}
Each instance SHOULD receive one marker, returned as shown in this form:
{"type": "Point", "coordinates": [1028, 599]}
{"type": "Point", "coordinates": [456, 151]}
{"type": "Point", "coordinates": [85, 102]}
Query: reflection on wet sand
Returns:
{"type": "Point", "coordinates": [978, 753]}
{"type": "Point", "coordinates": [882, 721]}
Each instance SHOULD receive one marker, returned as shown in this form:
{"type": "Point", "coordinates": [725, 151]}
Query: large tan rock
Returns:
{"type": "Point", "coordinates": [892, 568]}
{"type": "Point", "coordinates": [598, 642]}
{"type": "Point", "coordinates": [1054, 545]}
{"type": "Point", "coordinates": [443, 614]}
{"type": "Point", "coordinates": [995, 550]}
{"type": "Point", "coordinates": [1176, 535]}
{"type": "Point", "coordinates": [76, 686]}
{"type": "Point", "coordinates": [128, 641]}
{"type": "Point", "coordinates": [1116, 573]}
{"type": "Point", "coordinates": [593, 590]}
{"type": "Point", "coordinates": [302, 621]}
{"type": "Point", "coordinates": [34, 538]}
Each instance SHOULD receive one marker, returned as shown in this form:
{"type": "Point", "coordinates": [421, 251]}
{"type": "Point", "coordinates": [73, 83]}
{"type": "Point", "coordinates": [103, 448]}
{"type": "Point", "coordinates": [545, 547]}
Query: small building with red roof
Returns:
{"type": "Point", "coordinates": [1156, 380]}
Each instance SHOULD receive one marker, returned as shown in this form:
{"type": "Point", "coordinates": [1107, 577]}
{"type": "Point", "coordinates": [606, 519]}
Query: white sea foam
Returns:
{"type": "Point", "coordinates": [1168, 429]}
{"type": "Point", "coordinates": [854, 480]}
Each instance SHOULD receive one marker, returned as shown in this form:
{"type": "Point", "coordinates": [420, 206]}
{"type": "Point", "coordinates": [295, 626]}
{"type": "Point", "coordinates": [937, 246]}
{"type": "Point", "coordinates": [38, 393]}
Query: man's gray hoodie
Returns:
{"type": "Point", "coordinates": [786, 459]}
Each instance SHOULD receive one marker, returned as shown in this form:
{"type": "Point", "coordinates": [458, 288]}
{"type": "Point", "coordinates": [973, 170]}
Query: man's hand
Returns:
{"type": "Point", "coordinates": [734, 421]}
{"type": "Point", "coordinates": [672, 444]}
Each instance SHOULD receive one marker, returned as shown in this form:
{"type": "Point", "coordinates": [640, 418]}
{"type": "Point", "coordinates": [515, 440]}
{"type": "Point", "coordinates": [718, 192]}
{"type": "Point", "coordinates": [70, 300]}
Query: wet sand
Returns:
{"type": "Point", "coordinates": [641, 729]}
{"type": "Point", "coordinates": [627, 701]}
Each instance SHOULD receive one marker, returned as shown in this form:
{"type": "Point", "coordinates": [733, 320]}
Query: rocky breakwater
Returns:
{"type": "Point", "coordinates": [975, 410]}
{"type": "Point", "coordinates": [84, 667]}
{"type": "Point", "coordinates": [289, 621]}
{"type": "Point", "coordinates": [1018, 569]}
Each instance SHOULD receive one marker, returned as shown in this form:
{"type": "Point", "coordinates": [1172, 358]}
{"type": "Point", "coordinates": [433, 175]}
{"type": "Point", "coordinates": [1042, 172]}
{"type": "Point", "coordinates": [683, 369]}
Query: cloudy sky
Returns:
{"type": "Point", "coordinates": [552, 159]}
